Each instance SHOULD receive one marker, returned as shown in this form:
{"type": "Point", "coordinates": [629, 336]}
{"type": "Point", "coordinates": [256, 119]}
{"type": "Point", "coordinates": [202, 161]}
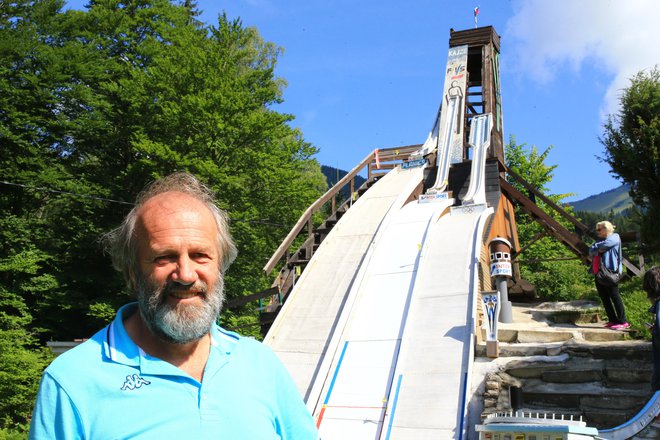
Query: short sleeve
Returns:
{"type": "Point", "coordinates": [294, 420]}
{"type": "Point", "coordinates": [55, 415]}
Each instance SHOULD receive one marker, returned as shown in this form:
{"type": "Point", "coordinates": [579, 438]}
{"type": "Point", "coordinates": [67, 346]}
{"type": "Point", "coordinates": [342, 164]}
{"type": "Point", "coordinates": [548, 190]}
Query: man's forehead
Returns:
{"type": "Point", "coordinates": [173, 203]}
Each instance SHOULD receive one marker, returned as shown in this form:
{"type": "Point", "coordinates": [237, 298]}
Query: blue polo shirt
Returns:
{"type": "Point", "coordinates": [109, 388]}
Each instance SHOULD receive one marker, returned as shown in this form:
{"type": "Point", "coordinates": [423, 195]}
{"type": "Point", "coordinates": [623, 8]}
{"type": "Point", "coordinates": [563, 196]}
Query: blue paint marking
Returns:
{"type": "Point", "coordinates": [396, 399]}
{"type": "Point", "coordinates": [334, 377]}
{"type": "Point", "coordinates": [462, 408]}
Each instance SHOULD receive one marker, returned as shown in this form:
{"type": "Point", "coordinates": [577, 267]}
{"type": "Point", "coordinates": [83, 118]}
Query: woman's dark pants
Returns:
{"type": "Point", "coordinates": [611, 299]}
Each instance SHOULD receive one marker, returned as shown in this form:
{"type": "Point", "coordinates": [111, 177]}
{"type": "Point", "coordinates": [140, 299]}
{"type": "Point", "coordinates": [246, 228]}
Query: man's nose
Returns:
{"type": "Point", "coordinates": [185, 271]}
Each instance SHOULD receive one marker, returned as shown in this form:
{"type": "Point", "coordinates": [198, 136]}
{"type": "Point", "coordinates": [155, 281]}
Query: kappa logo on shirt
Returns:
{"type": "Point", "coordinates": [133, 382]}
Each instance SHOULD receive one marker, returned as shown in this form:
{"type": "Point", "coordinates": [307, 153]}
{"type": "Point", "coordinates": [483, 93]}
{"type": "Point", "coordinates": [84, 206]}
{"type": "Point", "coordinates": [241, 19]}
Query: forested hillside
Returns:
{"type": "Point", "coordinates": [334, 175]}
{"type": "Point", "coordinates": [93, 105]}
{"type": "Point", "coordinates": [615, 200]}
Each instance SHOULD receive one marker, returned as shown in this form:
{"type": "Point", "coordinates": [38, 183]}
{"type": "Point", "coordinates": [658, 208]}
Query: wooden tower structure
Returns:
{"type": "Point", "coordinates": [484, 96]}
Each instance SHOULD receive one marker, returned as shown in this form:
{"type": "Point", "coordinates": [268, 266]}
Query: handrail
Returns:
{"type": "Point", "coordinates": [307, 215]}
{"type": "Point", "coordinates": [383, 155]}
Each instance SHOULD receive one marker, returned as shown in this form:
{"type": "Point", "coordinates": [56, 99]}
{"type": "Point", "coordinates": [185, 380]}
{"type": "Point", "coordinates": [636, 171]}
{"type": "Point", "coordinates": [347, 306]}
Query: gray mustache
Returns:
{"type": "Point", "coordinates": [197, 287]}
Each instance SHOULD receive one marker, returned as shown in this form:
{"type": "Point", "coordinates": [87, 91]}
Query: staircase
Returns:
{"type": "Point", "coordinates": [558, 358]}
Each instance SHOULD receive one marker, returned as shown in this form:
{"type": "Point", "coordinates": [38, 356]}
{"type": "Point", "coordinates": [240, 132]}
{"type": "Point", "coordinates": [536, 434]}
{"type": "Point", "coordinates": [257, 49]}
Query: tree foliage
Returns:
{"type": "Point", "coordinates": [632, 146]}
{"type": "Point", "coordinates": [95, 104]}
{"type": "Point", "coordinates": [546, 262]}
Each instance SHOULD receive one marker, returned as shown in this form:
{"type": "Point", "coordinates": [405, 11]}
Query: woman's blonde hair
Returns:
{"type": "Point", "coordinates": [609, 227]}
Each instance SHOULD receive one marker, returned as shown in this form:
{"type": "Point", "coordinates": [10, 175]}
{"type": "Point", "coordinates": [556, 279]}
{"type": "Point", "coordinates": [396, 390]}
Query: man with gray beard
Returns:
{"type": "Point", "coordinates": [163, 368]}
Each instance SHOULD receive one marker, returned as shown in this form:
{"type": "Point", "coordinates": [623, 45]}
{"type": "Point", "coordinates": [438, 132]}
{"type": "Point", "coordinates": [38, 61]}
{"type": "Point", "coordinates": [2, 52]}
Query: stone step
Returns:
{"type": "Point", "coordinates": [557, 334]}
{"type": "Point", "coordinates": [558, 357]}
{"type": "Point", "coordinates": [631, 350]}
{"type": "Point", "coordinates": [603, 418]}
{"type": "Point", "coordinates": [628, 397]}
{"type": "Point", "coordinates": [583, 369]}
{"type": "Point", "coordinates": [618, 349]}
{"type": "Point", "coordinates": [521, 350]}
{"type": "Point", "coordinates": [572, 312]}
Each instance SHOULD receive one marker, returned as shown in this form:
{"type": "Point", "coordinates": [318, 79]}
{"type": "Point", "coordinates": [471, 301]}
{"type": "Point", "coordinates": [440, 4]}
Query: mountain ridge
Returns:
{"type": "Point", "coordinates": [613, 200]}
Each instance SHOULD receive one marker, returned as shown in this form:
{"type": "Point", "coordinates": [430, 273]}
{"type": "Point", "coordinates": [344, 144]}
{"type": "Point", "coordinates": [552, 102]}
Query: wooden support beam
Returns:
{"type": "Point", "coordinates": [572, 241]}
{"type": "Point", "coordinates": [631, 267]}
{"type": "Point", "coordinates": [552, 226]}
{"type": "Point", "coordinates": [577, 223]}
{"type": "Point", "coordinates": [238, 302]}
{"type": "Point", "coordinates": [535, 238]}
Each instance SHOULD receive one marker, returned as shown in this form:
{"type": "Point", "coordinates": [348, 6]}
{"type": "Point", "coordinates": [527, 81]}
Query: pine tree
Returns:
{"type": "Point", "coordinates": [632, 147]}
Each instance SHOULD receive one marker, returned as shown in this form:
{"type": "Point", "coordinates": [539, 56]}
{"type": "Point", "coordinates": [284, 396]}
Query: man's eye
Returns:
{"type": "Point", "coordinates": [162, 259]}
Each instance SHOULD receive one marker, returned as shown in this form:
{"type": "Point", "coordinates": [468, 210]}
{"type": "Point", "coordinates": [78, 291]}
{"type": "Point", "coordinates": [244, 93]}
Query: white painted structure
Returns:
{"type": "Point", "coordinates": [480, 129]}
{"type": "Point", "coordinates": [378, 332]}
{"type": "Point", "coordinates": [527, 426]}
{"type": "Point", "coordinates": [450, 123]}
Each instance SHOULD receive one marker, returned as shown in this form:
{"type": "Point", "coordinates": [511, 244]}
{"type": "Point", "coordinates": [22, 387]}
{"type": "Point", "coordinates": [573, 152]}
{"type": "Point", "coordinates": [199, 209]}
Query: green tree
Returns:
{"type": "Point", "coordinates": [632, 146]}
{"type": "Point", "coordinates": [187, 97]}
{"type": "Point", "coordinates": [21, 361]}
{"type": "Point", "coordinates": [44, 100]}
{"type": "Point", "coordinates": [546, 262]}
{"type": "Point", "coordinates": [96, 103]}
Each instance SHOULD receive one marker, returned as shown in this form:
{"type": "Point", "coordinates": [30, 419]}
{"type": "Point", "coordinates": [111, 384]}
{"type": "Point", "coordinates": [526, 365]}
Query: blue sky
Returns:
{"type": "Point", "coordinates": [368, 74]}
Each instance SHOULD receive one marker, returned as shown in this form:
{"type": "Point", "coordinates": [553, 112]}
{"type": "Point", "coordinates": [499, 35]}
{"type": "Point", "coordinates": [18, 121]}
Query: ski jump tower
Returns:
{"type": "Point", "coordinates": [375, 313]}
{"type": "Point", "coordinates": [470, 112]}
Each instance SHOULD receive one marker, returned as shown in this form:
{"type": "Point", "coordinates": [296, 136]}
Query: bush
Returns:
{"type": "Point", "coordinates": [18, 433]}
{"type": "Point", "coordinates": [637, 308]}
{"type": "Point", "coordinates": [21, 367]}
{"type": "Point", "coordinates": [562, 280]}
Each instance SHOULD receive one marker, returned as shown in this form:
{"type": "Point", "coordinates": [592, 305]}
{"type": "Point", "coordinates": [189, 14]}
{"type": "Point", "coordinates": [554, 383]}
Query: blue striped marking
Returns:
{"type": "Point", "coordinates": [334, 377]}
{"type": "Point", "coordinates": [396, 399]}
{"type": "Point", "coordinates": [462, 408]}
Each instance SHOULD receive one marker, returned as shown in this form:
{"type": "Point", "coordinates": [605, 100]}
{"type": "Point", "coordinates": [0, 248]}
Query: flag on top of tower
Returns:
{"type": "Point", "coordinates": [476, 12]}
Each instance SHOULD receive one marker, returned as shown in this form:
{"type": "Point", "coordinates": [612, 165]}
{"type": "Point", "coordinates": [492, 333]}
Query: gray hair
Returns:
{"type": "Point", "coordinates": [121, 243]}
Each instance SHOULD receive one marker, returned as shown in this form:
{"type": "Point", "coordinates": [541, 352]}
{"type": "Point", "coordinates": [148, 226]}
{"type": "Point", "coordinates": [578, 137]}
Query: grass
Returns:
{"type": "Point", "coordinates": [637, 308]}
{"type": "Point", "coordinates": [569, 282]}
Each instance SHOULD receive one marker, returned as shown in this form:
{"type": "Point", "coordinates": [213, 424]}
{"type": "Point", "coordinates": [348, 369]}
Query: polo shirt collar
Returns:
{"type": "Point", "coordinates": [119, 347]}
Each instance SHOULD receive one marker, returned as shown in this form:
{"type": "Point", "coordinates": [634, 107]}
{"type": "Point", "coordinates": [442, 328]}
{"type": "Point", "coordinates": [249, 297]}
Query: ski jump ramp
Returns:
{"type": "Point", "coordinates": [378, 331]}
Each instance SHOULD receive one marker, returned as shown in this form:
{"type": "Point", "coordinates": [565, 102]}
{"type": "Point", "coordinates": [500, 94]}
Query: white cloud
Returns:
{"type": "Point", "coordinates": [621, 37]}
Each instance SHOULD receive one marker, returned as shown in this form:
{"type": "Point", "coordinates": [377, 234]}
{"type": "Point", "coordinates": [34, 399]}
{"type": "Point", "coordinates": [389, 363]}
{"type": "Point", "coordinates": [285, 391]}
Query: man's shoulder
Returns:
{"type": "Point", "coordinates": [243, 345]}
{"type": "Point", "coordinates": [80, 357]}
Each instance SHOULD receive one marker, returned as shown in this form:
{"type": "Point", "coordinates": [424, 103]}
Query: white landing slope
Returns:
{"type": "Point", "coordinates": [351, 399]}
{"type": "Point", "coordinates": [428, 399]}
{"type": "Point", "coordinates": [403, 344]}
{"type": "Point", "coordinates": [302, 332]}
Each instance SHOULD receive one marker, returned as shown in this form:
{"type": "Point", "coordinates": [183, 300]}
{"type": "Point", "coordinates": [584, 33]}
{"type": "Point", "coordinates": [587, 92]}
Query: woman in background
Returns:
{"type": "Point", "coordinates": [651, 285]}
{"type": "Point", "coordinates": [609, 251]}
